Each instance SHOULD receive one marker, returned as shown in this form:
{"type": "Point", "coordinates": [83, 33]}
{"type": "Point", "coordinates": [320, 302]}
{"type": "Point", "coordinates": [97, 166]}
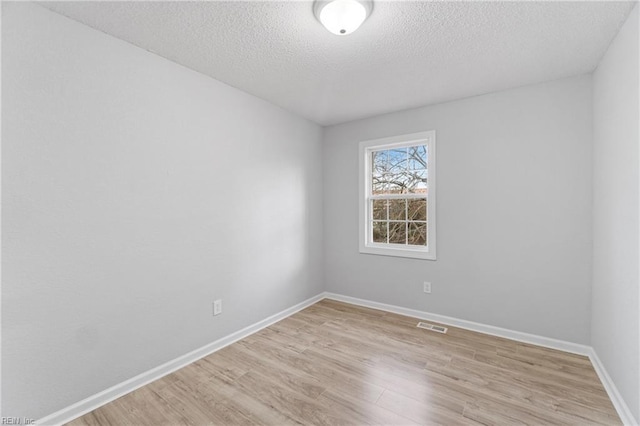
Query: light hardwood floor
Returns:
{"type": "Point", "coordinates": [335, 364]}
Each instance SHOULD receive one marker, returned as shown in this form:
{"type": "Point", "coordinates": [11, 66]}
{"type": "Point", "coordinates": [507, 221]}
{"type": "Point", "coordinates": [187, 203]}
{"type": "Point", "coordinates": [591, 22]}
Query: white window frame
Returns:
{"type": "Point", "coordinates": [367, 246]}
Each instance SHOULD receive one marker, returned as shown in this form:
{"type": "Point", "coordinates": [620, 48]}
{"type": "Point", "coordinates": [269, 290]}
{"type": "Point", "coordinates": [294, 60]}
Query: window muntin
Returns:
{"type": "Point", "coordinates": [398, 196]}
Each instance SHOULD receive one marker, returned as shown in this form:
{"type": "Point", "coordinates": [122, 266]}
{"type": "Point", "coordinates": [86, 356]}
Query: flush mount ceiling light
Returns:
{"type": "Point", "coordinates": [342, 17]}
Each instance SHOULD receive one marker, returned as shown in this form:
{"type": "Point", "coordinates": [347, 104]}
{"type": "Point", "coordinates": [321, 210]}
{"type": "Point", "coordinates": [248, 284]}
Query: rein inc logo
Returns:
{"type": "Point", "coordinates": [16, 421]}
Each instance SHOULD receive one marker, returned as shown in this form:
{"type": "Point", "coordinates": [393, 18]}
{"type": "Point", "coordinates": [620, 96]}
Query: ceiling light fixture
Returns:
{"type": "Point", "coordinates": [342, 17]}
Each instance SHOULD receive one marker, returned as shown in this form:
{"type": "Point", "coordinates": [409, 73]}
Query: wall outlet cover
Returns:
{"type": "Point", "coordinates": [217, 307]}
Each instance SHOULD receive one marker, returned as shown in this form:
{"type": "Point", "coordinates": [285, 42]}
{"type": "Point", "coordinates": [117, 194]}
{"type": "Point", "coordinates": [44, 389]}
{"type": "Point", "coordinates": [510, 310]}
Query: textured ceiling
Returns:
{"type": "Point", "coordinates": [406, 54]}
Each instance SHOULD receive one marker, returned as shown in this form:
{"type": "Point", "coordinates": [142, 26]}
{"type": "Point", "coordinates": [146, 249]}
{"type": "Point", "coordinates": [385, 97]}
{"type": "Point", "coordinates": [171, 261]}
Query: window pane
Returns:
{"type": "Point", "coordinates": [417, 234]}
{"type": "Point", "coordinates": [379, 232]}
{"type": "Point", "coordinates": [378, 162]}
{"type": "Point", "coordinates": [398, 232]}
{"type": "Point", "coordinates": [401, 182]}
{"type": "Point", "coordinates": [417, 182]}
{"type": "Point", "coordinates": [397, 160]}
{"type": "Point", "coordinates": [417, 209]}
{"type": "Point", "coordinates": [418, 157]}
{"type": "Point", "coordinates": [396, 186]}
{"type": "Point", "coordinates": [379, 184]}
{"type": "Point", "coordinates": [379, 209]}
{"type": "Point", "coordinates": [397, 209]}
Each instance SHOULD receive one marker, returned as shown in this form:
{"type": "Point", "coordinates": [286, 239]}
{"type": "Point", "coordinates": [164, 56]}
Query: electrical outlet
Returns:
{"type": "Point", "coordinates": [217, 307]}
{"type": "Point", "coordinates": [427, 287]}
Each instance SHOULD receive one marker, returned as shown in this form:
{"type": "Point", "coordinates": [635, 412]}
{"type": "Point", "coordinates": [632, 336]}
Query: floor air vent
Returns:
{"type": "Point", "coordinates": [436, 328]}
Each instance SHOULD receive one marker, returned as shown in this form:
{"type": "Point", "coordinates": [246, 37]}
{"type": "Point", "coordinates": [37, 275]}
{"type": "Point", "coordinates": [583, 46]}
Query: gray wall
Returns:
{"type": "Point", "coordinates": [135, 192]}
{"type": "Point", "coordinates": [513, 210]}
{"type": "Point", "coordinates": [615, 312]}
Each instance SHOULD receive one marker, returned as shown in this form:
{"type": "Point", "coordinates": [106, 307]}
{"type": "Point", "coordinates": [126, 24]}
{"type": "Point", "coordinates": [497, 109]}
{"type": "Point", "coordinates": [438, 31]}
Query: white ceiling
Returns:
{"type": "Point", "coordinates": [407, 54]}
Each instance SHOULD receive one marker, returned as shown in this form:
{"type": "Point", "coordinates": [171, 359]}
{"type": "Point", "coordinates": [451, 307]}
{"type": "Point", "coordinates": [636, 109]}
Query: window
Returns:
{"type": "Point", "coordinates": [398, 196]}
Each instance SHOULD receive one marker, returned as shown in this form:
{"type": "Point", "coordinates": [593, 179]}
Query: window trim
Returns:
{"type": "Point", "coordinates": [365, 148]}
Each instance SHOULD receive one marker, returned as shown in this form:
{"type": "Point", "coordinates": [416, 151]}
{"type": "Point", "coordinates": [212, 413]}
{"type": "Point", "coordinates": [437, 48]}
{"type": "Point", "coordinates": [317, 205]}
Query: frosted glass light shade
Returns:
{"type": "Point", "coordinates": [342, 17]}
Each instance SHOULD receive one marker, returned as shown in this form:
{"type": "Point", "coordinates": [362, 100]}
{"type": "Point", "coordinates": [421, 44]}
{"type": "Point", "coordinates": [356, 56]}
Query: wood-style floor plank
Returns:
{"type": "Point", "coordinates": [339, 364]}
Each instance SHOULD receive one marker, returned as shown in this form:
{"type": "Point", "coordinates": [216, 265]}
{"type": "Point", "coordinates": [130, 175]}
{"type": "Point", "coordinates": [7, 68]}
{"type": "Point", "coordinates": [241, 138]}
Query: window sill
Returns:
{"type": "Point", "coordinates": [398, 252]}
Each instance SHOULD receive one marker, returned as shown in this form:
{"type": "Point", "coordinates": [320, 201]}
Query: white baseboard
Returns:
{"type": "Point", "coordinates": [91, 403]}
{"type": "Point", "coordinates": [619, 404]}
{"type": "Point", "coordinates": [621, 407]}
{"type": "Point", "coordinates": [469, 325]}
